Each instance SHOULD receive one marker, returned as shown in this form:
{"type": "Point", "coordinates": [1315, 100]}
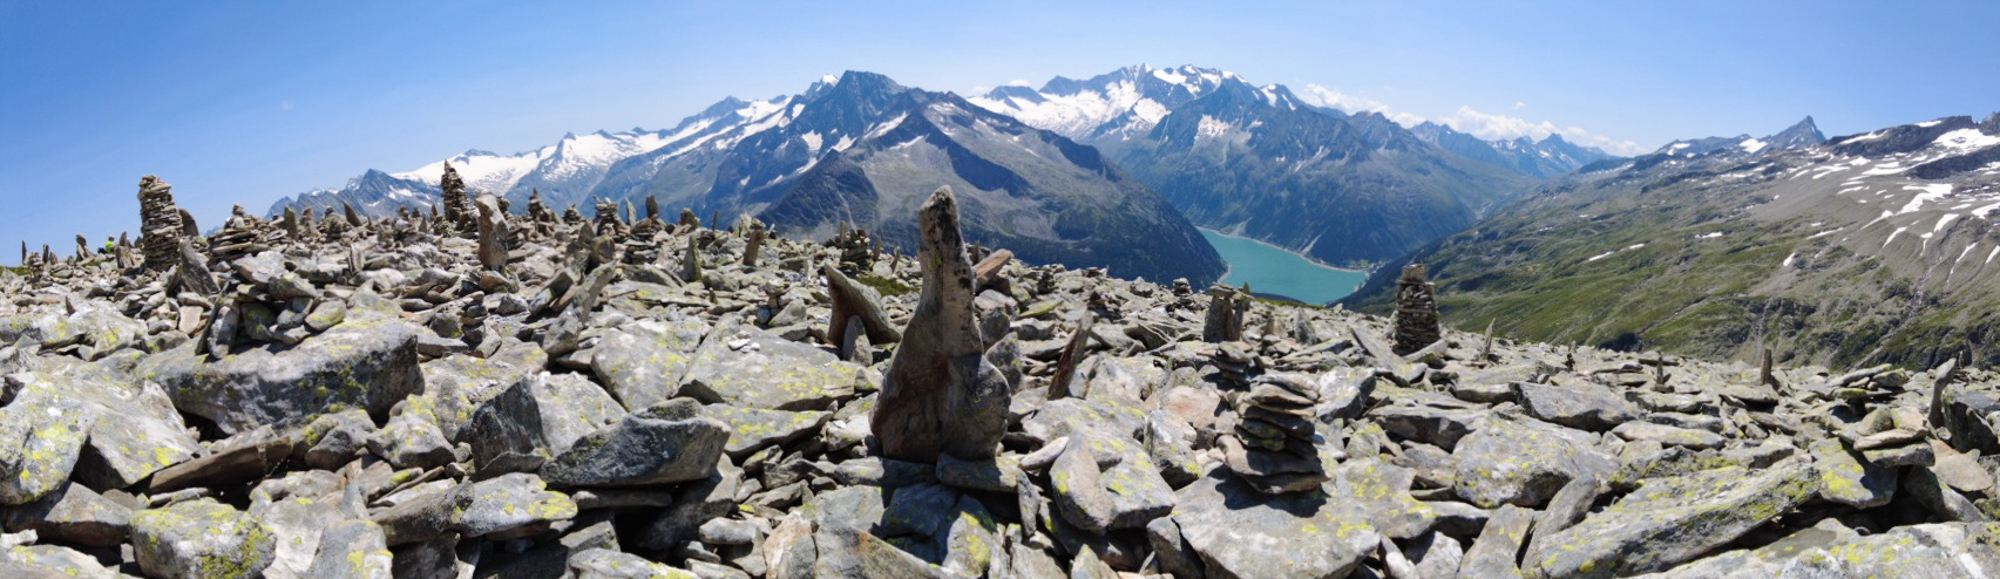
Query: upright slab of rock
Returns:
{"type": "Point", "coordinates": [493, 234]}
{"type": "Point", "coordinates": [160, 223]}
{"type": "Point", "coordinates": [1226, 307]}
{"type": "Point", "coordinates": [941, 395]}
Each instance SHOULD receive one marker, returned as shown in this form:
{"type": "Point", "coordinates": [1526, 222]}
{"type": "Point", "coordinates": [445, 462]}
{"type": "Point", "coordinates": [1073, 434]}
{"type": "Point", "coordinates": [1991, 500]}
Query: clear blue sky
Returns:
{"type": "Point", "coordinates": [244, 102]}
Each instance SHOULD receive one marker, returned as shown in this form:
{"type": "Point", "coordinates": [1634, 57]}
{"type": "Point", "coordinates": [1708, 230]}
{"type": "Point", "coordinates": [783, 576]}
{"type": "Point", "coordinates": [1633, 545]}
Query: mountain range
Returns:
{"type": "Point", "coordinates": [1107, 171]}
{"type": "Point", "coordinates": [1258, 161]}
{"type": "Point", "coordinates": [1872, 248]}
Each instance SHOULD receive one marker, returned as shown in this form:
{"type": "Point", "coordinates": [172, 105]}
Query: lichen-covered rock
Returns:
{"type": "Point", "coordinates": [52, 562]}
{"type": "Point", "coordinates": [1582, 406]}
{"type": "Point", "coordinates": [608, 564]}
{"type": "Point", "coordinates": [754, 429]}
{"type": "Point", "coordinates": [642, 363]}
{"type": "Point", "coordinates": [1493, 554]}
{"type": "Point", "coordinates": [1844, 478]}
{"type": "Point", "coordinates": [351, 549]}
{"type": "Point", "coordinates": [1942, 551]}
{"type": "Point", "coordinates": [1523, 462]}
{"type": "Point", "coordinates": [368, 363]}
{"type": "Point", "coordinates": [747, 367]}
{"type": "Point", "coordinates": [297, 525]}
{"type": "Point", "coordinates": [73, 513]}
{"type": "Point", "coordinates": [534, 420]}
{"type": "Point", "coordinates": [1383, 492]}
{"type": "Point", "coordinates": [664, 444]}
{"type": "Point", "coordinates": [41, 435]}
{"type": "Point", "coordinates": [1669, 521]}
{"type": "Point", "coordinates": [1240, 532]}
{"type": "Point", "coordinates": [201, 539]}
{"type": "Point", "coordinates": [504, 506]}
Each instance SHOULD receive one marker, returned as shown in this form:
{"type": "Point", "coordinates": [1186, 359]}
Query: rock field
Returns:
{"type": "Point", "coordinates": [486, 394]}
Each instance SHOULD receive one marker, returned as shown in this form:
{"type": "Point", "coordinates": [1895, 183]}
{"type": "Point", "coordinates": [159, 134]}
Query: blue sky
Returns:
{"type": "Point", "coordinates": [244, 102]}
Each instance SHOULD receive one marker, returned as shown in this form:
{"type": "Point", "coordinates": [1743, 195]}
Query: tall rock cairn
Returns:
{"type": "Point", "coordinates": [941, 394]}
{"type": "Point", "coordinates": [160, 222]}
{"type": "Point", "coordinates": [457, 206]}
{"type": "Point", "coordinates": [1416, 311]}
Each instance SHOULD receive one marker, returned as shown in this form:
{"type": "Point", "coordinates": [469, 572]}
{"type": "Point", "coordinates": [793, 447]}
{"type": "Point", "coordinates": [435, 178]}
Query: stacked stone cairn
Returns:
{"type": "Point", "coordinates": [1274, 446]}
{"type": "Point", "coordinates": [241, 235]}
{"type": "Point", "coordinates": [1416, 311]}
{"type": "Point", "coordinates": [458, 209]}
{"type": "Point", "coordinates": [856, 255]}
{"type": "Point", "coordinates": [159, 223]}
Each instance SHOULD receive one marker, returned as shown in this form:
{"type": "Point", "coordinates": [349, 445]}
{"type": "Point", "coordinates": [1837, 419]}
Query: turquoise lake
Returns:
{"type": "Point", "coordinates": [1271, 270]}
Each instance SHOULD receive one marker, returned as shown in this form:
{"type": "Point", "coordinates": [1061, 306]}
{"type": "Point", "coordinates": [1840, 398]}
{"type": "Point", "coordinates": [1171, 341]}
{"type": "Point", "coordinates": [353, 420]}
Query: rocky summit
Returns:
{"type": "Point", "coordinates": [474, 393]}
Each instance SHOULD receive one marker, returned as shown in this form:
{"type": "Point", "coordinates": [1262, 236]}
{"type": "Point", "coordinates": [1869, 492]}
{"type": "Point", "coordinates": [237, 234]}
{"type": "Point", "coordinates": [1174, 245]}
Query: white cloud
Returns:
{"type": "Point", "coordinates": [1470, 121]}
{"type": "Point", "coordinates": [1017, 82]}
{"type": "Point", "coordinates": [1494, 127]}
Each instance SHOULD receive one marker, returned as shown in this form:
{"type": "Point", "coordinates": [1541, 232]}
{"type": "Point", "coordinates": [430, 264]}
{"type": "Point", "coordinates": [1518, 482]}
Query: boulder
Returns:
{"type": "Point", "coordinates": [754, 429]}
{"type": "Point", "coordinates": [1669, 521]}
{"type": "Point", "coordinates": [504, 506]}
{"type": "Point", "coordinates": [1580, 406]}
{"type": "Point", "coordinates": [1499, 543]}
{"type": "Point", "coordinates": [1524, 462]}
{"type": "Point", "coordinates": [72, 513]}
{"type": "Point", "coordinates": [366, 362]}
{"type": "Point", "coordinates": [145, 436]}
{"type": "Point", "coordinates": [747, 367]}
{"type": "Point", "coordinates": [1945, 550]}
{"type": "Point", "coordinates": [641, 363]}
{"type": "Point", "coordinates": [351, 549]}
{"type": "Point", "coordinates": [1846, 479]}
{"type": "Point", "coordinates": [664, 444]}
{"type": "Point", "coordinates": [42, 433]}
{"type": "Point", "coordinates": [201, 539]}
{"type": "Point", "coordinates": [1240, 532]}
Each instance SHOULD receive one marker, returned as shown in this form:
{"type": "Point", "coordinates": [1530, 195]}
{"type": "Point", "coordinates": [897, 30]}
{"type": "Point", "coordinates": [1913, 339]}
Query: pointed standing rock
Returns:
{"type": "Point", "coordinates": [941, 395]}
{"type": "Point", "coordinates": [492, 234]}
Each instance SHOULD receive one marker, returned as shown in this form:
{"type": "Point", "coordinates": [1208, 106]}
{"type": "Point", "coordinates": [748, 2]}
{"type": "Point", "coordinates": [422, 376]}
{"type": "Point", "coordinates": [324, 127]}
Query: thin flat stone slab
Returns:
{"type": "Point", "coordinates": [1669, 521]}
{"type": "Point", "coordinates": [1933, 551]}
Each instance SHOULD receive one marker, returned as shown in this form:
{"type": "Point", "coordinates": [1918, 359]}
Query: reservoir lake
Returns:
{"type": "Point", "coordinates": [1272, 270]}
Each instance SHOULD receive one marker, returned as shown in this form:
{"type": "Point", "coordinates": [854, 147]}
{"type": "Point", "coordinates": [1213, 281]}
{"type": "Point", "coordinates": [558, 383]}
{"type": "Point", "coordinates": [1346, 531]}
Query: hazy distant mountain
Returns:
{"type": "Point", "coordinates": [1878, 247]}
{"type": "Point", "coordinates": [1257, 161]}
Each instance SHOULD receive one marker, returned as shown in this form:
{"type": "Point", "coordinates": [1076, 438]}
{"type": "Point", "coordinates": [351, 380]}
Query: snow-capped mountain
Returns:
{"type": "Point", "coordinates": [1877, 247]}
{"type": "Point", "coordinates": [1800, 135]}
{"type": "Point", "coordinates": [1258, 161]}
{"type": "Point", "coordinates": [859, 149]}
{"type": "Point", "coordinates": [865, 150]}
